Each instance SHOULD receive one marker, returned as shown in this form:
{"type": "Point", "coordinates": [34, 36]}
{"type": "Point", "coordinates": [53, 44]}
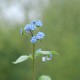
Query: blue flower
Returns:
{"type": "Point", "coordinates": [40, 35]}
{"type": "Point", "coordinates": [38, 23]}
{"type": "Point", "coordinates": [29, 27]}
{"type": "Point", "coordinates": [33, 39]}
{"type": "Point", "coordinates": [46, 58]}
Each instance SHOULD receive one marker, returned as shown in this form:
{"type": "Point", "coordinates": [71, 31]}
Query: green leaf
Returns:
{"type": "Point", "coordinates": [44, 77]}
{"type": "Point", "coordinates": [21, 59]}
{"type": "Point", "coordinates": [38, 53]}
{"type": "Point", "coordinates": [54, 52]}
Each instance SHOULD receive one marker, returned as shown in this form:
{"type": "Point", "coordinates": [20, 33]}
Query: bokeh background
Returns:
{"type": "Point", "coordinates": [61, 24]}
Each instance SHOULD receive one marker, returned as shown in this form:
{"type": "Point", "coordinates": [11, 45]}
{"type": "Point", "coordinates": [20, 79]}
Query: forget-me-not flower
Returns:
{"type": "Point", "coordinates": [38, 23]}
{"type": "Point", "coordinates": [33, 39]}
{"type": "Point", "coordinates": [40, 35]}
{"type": "Point", "coordinates": [29, 27]}
{"type": "Point", "coordinates": [46, 58]}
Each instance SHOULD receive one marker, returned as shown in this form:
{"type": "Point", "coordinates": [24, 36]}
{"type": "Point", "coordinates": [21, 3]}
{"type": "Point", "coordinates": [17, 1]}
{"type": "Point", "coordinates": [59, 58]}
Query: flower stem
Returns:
{"type": "Point", "coordinates": [33, 62]}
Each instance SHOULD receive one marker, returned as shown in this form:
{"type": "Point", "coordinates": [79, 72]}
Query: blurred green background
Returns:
{"type": "Point", "coordinates": [62, 27]}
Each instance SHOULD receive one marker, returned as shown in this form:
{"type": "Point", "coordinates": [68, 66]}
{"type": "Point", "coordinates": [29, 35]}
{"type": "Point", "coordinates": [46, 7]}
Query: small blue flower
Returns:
{"type": "Point", "coordinates": [40, 35]}
{"type": "Point", "coordinates": [47, 58]}
{"type": "Point", "coordinates": [44, 58]}
{"type": "Point", "coordinates": [29, 27]}
{"type": "Point", "coordinates": [38, 23]}
{"type": "Point", "coordinates": [33, 39]}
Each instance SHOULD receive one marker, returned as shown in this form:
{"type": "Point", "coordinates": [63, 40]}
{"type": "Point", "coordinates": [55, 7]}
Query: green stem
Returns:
{"type": "Point", "coordinates": [33, 55]}
{"type": "Point", "coordinates": [33, 62]}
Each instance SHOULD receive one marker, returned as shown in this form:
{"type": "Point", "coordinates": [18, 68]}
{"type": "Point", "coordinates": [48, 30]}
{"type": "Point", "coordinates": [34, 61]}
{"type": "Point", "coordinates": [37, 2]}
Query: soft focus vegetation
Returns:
{"type": "Point", "coordinates": [62, 27]}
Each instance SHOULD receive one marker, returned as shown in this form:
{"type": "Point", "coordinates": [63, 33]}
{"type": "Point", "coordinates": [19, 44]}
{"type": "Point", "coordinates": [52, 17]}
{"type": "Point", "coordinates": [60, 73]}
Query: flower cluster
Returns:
{"type": "Point", "coordinates": [38, 36]}
{"type": "Point", "coordinates": [30, 28]}
{"type": "Point", "coordinates": [46, 58]}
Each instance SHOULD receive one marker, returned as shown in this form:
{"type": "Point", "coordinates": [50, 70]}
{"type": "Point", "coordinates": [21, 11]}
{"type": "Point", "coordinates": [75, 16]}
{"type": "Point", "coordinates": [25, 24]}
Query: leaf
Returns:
{"type": "Point", "coordinates": [38, 53]}
{"type": "Point", "coordinates": [42, 53]}
{"type": "Point", "coordinates": [54, 52]}
{"type": "Point", "coordinates": [21, 59]}
{"type": "Point", "coordinates": [45, 52]}
{"type": "Point", "coordinates": [44, 77]}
